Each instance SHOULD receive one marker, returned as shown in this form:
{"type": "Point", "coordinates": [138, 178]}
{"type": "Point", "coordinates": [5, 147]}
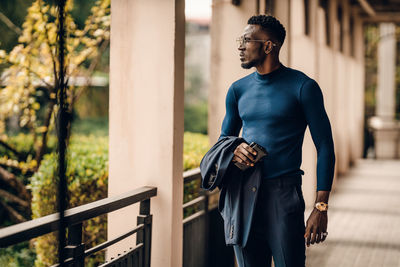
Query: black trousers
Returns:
{"type": "Point", "coordinates": [278, 226]}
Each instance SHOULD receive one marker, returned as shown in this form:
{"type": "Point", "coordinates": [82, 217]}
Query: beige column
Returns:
{"type": "Point", "coordinates": [340, 85]}
{"type": "Point", "coordinates": [146, 119]}
{"type": "Point", "coordinates": [303, 57]}
{"type": "Point", "coordinates": [344, 88]}
{"type": "Point", "coordinates": [282, 12]}
{"type": "Point", "coordinates": [385, 95]}
{"type": "Point", "coordinates": [227, 23]}
{"type": "Point", "coordinates": [357, 86]}
{"type": "Point", "coordinates": [386, 129]}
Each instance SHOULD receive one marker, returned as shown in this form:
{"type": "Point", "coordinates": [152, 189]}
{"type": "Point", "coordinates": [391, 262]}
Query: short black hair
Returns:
{"type": "Point", "coordinates": [270, 25]}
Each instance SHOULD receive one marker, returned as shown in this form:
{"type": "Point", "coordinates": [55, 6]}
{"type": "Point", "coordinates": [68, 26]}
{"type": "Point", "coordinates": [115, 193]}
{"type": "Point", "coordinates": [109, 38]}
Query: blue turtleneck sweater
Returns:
{"type": "Point", "coordinates": [274, 110]}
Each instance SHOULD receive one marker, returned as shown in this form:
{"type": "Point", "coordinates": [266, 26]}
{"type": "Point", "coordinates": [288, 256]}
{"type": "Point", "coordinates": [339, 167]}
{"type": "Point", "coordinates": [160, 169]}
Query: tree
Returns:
{"type": "Point", "coordinates": [30, 81]}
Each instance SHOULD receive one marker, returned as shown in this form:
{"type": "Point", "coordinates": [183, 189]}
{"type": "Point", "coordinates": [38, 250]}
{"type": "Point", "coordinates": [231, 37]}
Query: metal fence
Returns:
{"type": "Point", "coordinates": [75, 251]}
{"type": "Point", "coordinates": [203, 230]}
{"type": "Point", "coordinates": [203, 239]}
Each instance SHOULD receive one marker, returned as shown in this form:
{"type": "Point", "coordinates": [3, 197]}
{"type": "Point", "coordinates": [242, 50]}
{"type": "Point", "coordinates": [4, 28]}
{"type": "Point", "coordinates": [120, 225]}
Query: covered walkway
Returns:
{"type": "Point", "coordinates": [364, 219]}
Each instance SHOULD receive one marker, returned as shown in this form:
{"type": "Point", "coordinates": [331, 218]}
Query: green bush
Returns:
{"type": "Point", "coordinates": [24, 143]}
{"type": "Point", "coordinates": [87, 181]}
{"type": "Point", "coordinates": [87, 174]}
{"type": "Point", "coordinates": [195, 119]}
{"type": "Point", "coordinates": [87, 126]}
{"type": "Point", "coordinates": [17, 256]}
{"type": "Point", "coordinates": [195, 145]}
{"type": "Point", "coordinates": [194, 148]}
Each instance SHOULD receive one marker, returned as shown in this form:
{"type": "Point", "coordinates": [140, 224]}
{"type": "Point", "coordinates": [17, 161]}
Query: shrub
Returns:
{"type": "Point", "coordinates": [87, 181]}
{"type": "Point", "coordinates": [87, 173]}
{"type": "Point", "coordinates": [16, 256]}
{"type": "Point", "coordinates": [196, 117]}
{"type": "Point", "coordinates": [23, 143]}
{"type": "Point", "coordinates": [194, 147]}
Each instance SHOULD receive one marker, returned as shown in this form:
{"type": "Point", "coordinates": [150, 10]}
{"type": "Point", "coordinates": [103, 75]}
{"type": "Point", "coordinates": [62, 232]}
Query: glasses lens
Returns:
{"type": "Point", "coordinates": [240, 41]}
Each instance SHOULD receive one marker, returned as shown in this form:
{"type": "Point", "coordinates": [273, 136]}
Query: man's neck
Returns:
{"type": "Point", "coordinates": [268, 66]}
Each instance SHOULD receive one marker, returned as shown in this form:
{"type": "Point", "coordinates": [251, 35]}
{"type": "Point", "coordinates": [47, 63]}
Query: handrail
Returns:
{"type": "Point", "coordinates": [50, 223]}
{"type": "Point", "coordinates": [197, 200]}
{"type": "Point", "coordinates": [191, 175]}
{"type": "Point", "coordinates": [201, 201]}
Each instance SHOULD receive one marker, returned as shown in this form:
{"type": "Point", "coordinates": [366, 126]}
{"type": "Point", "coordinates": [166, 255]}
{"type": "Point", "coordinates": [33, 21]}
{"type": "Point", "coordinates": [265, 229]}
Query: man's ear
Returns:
{"type": "Point", "coordinates": [268, 48]}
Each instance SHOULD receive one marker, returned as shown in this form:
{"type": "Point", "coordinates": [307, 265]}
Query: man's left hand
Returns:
{"type": "Point", "coordinates": [316, 225]}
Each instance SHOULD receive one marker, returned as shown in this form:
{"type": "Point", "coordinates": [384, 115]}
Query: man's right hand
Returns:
{"type": "Point", "coordinates": [244, 154]}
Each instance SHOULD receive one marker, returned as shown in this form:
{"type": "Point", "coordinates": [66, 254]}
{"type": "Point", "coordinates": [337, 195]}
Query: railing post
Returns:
{"type": "Point", "coordinates": [144, 236]}
{"type": "Point", "coordinates": [206, 226]}
{"type": "Point", "coordinates": [75, 248]}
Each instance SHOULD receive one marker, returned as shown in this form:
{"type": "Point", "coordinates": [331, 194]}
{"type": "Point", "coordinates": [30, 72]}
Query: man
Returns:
{"type": "Point", "coordinates": [274, 105]}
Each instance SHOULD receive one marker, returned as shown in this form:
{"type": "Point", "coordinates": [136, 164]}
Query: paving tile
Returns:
{"type": "Point", "coordinates": [363, 219]}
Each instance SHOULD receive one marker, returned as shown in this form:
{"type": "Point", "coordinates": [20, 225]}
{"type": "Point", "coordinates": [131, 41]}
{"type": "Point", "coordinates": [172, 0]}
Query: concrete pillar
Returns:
{"type": "Point", "coordinates": [303, 57]}
{"type": "Point", "coordinates": [385, 95]}
{"type": "Point", "coordinates": [357, 78]}
{"type": "Point", "coordinates": [344, 88]}
{"type": "Point", "coordinates": [227, 23]}
{"type": "Point", "coordinates": [282, 12]}
{"type": "Point", "coordinates": [340, 86]}
{"type": "Point", "coordinates": [146, 119]}
{"type": "Point", "coordinates": [346, 28]}
{"type": "Point", "coordinates": [386, 129]}
{"type": "Point", "coordinates": [326, 74]}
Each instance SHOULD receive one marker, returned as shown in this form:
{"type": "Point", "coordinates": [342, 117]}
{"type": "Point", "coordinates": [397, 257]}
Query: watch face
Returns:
{"type": "Point", "coordinates": [321, 206]}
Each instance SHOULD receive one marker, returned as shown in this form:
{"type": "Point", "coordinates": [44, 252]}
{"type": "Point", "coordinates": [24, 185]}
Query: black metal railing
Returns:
{"type": "Point", "coordinates": [138, 255]}
{"type": "Point", "coordinates": [201, 204]}
{"type": "Point", "coordinates": [203, 234]}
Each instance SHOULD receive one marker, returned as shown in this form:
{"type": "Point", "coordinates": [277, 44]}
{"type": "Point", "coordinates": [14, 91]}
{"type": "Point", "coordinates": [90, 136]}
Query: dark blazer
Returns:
{"type": "Point", "coordinates": [239, 189]}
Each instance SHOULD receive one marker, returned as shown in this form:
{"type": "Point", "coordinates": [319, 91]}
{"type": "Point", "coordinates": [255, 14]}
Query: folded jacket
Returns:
{"type": "Point", "coordinates": [239, 189]}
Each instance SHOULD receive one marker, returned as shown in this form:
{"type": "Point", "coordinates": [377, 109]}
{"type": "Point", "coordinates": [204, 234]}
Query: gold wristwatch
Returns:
{"type": "Point", "coordinates": [321, 206]}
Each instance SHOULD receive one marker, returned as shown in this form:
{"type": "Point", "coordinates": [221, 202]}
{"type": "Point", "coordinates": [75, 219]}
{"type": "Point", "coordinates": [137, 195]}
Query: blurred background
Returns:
{"type": "Point", "coordinates": [159, 70]}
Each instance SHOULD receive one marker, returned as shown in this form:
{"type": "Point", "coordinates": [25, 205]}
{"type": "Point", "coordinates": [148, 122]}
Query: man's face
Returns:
{"type": "Point", "coordinates": [252, 53]}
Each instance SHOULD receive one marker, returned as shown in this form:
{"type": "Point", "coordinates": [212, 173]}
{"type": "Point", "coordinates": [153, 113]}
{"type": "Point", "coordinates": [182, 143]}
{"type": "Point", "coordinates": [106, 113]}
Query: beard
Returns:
{"type": "Point", "coordinates": [248, 65]}
{"type": "Point", "coordinates": [255, 62]}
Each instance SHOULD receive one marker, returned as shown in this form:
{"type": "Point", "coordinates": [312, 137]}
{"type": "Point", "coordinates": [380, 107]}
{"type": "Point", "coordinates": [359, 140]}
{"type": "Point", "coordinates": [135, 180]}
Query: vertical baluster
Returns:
{"type": "Point", "coordinates": [206, 227]}
{"type": "Point", "coordinates": [75, 248]}
{"type": "Point", "coordinates": [145, 236]}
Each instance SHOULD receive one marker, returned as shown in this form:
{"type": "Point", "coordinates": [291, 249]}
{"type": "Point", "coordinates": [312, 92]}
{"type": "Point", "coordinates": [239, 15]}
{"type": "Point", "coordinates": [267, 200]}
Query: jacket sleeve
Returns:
{"type": "Point", "coordinates": [217, 162]}
{"type": "Point", "coordinates": [313, 107]}
{"type": "Point", "coordinates": [232, 122]}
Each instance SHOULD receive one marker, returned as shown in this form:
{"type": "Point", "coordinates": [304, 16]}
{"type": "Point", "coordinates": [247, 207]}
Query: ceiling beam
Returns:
{"type": "Point", "coordinates": [367, 7]}
{"type": "Point", "coordinates": [383, 17]}
{"type": "Point", "coordinates": [386, 8]}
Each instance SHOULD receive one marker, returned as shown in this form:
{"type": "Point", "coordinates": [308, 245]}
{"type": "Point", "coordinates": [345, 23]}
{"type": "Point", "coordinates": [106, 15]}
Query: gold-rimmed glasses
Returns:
{"type": "Point", "coordinates": [242, 41]}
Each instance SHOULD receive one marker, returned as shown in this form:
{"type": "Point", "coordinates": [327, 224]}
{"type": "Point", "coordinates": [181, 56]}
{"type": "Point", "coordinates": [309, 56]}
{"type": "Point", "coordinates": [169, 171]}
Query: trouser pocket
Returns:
{"type": "Point", "coordinates": [291, 199]}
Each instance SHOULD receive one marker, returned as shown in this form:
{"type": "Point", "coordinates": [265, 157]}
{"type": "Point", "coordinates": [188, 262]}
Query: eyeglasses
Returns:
{"type": "Point", "coordinates": [241, 41]}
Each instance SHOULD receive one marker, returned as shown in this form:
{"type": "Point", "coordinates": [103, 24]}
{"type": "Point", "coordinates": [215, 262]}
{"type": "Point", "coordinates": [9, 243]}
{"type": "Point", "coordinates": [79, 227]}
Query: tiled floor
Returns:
{"type": "Point", "coordinates": [363, 219]}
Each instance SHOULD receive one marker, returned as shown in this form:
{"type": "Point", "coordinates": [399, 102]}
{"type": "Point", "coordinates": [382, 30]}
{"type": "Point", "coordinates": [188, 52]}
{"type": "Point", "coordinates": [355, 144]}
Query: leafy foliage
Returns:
{"type": "Point", "coordinates": [87, 176]}
{"type": "Point", "coordinates": [17, 256]}
{"type": "Point", "coordinates": [96, 126]}
{"type": "Point", "coordinates": [87, 181]}
{"type": "Point", "coordinates": [23, 144]}
{"type": "Point", "coordinates": [29, 79]}
{"type": "Point", "coordinates": [32, 63]}
{"type": "Point", "coordinates": [196, 117]}
{"type": "Point", "coordinates": [194, 147]}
